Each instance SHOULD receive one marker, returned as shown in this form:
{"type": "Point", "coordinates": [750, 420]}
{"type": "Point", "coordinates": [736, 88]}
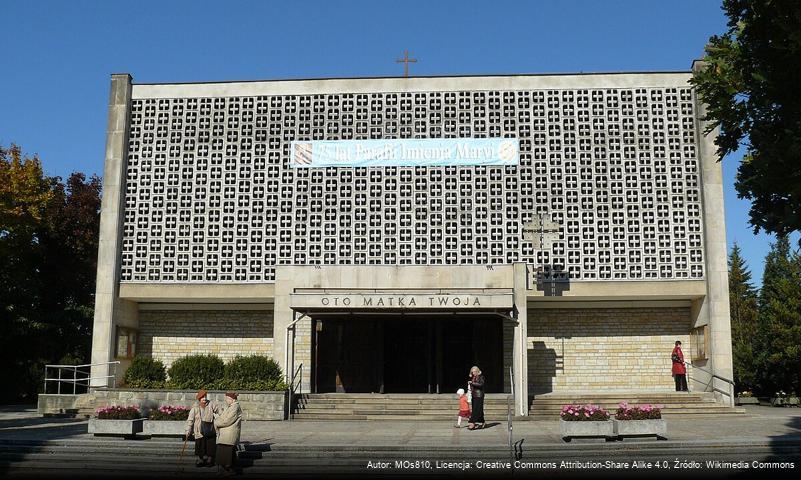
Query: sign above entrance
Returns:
{"type": "Point", "coordinates": [420, 152]}
{"type": "Point", "coordinates": [400, 301]}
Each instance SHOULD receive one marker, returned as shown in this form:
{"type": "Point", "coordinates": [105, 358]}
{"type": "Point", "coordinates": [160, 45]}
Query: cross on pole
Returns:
{"type": "Point", "coordinates": [542, 231]}
{"type": "Point", "coordinates": [406, 61]}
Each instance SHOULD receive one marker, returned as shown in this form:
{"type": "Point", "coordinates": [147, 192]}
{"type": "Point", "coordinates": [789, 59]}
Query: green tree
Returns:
{"type": "Point", "coordinates": [751, 89]}
{"type": "Point", "coordinates": [48, 250]}
{"type": "Point", "coordinates": [780, 319]}
{"type": "Point", "coordinates": [744, 317]}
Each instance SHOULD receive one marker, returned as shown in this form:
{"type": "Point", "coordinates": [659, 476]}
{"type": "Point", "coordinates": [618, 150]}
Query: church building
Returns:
{"type": "Point", "coordinates": [384, 235]}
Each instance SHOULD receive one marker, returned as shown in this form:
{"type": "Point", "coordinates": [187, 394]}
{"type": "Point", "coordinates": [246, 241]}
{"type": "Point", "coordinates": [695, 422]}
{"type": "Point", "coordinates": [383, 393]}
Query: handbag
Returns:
{"type": "Point", "coordinates": [207, 429]}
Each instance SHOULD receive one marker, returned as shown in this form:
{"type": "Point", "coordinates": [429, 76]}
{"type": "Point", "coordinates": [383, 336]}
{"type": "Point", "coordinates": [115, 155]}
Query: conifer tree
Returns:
{"type": "Point", "coordinates": [780, 320]}
{"type": "Point", "coordinates": [744, 317]}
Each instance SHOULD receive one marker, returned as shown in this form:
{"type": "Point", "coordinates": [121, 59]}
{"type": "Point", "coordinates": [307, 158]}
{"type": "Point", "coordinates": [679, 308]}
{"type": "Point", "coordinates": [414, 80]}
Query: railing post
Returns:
{"type": "Point", "coordinates": [45, 380]}
{"type": "Point", "coordinates": [509, 412]}
{"type": "Point", "coordinates": [59, 380]}
{"type": "Point", "coordinates": [74, 379]}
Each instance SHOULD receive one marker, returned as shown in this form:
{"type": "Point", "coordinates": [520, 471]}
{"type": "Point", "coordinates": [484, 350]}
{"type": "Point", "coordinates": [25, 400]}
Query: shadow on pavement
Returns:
{"type": "Point", "coordinates": [784, 449]}
{"type": "Point", "coordinates": [22, 426]}
{"type": "Point", "coordinates": [32, 422]}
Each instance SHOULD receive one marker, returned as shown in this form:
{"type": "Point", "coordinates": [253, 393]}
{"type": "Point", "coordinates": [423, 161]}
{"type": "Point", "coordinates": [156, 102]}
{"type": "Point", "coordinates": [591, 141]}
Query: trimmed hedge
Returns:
{"type": "Point", "coordinates": [252, 368]}
{"type": "Point", "coordinates": [195, 372]}
{"type": "Point", "coordinates": [145, 372]}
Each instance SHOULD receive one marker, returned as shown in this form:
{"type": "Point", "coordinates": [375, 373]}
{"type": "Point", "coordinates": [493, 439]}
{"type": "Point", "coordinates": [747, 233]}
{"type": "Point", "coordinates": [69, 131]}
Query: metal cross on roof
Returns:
{"type": "Point", "coordinates": [406, 61]}
{"type": "Point", "coordinates": [541, 231]}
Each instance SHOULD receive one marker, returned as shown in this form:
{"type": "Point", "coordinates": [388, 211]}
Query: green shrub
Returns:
{"type": "Point", "coordinates": [147, 384]}
{"type": "Point", "coordinates": [274, 385]}
{"type": "Point", "coordinates": [145, 372]}
{"type": "Point", "coordinates": [252, 368]}
{"type": "Point", "coordinates": [195, 372]}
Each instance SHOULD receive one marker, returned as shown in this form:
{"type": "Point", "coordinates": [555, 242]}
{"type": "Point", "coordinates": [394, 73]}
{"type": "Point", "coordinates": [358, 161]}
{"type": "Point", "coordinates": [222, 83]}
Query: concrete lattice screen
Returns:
{"type": "Point", "coordinates": [210, 196]}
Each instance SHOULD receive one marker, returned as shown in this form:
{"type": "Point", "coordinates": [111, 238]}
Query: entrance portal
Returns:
{"type": "Point", "coordinates": [394, 353]}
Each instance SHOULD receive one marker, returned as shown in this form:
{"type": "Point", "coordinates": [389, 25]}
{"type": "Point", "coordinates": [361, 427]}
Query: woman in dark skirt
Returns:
{"type": "Point", "coordinates": [229, 425]}
{"type": "Point", "coordinates": [200, 423]}
{"type": "Point", "coordinates": [476, 385]}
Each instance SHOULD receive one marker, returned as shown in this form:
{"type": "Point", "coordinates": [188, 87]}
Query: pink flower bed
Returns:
{"type": "Point", "coordinates": [583, 413]}
{"type": "Point", "coordinates": [118, 412]}
{"type": "Point", "coordinates": [169, 412]}
{"type": "Point", "coordinates": [638, 412]}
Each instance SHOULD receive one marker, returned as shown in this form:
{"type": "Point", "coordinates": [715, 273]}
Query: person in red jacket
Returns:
{"type": "Point", "coordinates": [679, 369]}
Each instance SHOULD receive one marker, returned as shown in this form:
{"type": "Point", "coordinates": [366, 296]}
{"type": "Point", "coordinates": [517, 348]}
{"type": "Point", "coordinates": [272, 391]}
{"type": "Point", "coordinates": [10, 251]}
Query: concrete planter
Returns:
{"type": "Point", "coordinates": [164, 428]}
{"type": "Point", "coordinates": [746, 401]}
{"type": "Point", "coordinates": [641, 428]}
{"type": "Point", "coordinates": [586, 429]}
{"type": "Point", "coordinates": [784, 401]}
{"type": "Point", "coordinates": [127, 428]}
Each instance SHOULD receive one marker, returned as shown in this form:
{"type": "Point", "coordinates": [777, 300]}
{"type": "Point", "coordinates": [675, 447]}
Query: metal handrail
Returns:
{"type": "Point", "coordinates": [730, 382]}
{"type": "Point", "coordinates": [75, 380]}
{"type": "Point", "coordinates": [298, 373]}
{"type": "Point", "coordinates": [509, 415]}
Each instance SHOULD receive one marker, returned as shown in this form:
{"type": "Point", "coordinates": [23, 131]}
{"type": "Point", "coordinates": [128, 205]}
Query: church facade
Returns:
{"type": "Point", "coordinates": [385, 234]}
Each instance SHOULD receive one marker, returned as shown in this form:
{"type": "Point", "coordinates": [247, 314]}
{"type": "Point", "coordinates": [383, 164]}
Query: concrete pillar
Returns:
{"type": "Point", "coordinates": [285, 283]}
{"type": "Point", "coordinates": [109, 310]}
{"type": "Point", "coordinates": [715, 305]}
{"type": "Point", "coordinates": [520, 338]}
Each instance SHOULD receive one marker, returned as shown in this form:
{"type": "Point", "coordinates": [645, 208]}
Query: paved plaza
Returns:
{"type": "Point", "coordinates": [759, 424]}
{"type": "Point", "coordinates": [35, 446]}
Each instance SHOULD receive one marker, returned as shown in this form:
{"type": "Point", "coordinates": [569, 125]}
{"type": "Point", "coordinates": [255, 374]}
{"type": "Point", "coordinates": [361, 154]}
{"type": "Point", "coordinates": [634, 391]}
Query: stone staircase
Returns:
{"type": "Point", "coordinates": [548, 406]}
{"type": "Point", "coordinates": [412, 407]}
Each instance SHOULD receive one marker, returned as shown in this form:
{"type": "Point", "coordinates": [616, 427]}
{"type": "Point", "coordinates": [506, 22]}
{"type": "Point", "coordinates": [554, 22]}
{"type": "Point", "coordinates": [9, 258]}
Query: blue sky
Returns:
{"type": "Point", "coordinates": [57, 55]}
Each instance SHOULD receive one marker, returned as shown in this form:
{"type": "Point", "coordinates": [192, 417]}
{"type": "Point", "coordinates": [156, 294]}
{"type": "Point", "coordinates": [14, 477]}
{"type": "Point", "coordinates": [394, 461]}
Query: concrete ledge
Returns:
{"type": "Point", "coordinates": [197, 292]}
{"type": "Point", "coordinates": [626, 291]}
{"type": "Point", "coordinates": [61, 404]}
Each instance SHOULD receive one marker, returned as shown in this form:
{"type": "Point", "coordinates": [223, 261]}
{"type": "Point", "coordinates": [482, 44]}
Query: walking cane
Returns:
{"type": "Point", "coordinates": [181, 456]}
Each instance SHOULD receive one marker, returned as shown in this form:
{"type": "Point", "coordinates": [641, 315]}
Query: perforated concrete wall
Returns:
{"type": "Point", "coordinates": [210, 196]}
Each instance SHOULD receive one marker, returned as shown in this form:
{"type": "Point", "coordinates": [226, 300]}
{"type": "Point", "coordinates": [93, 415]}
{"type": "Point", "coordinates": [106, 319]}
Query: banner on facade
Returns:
{"type": "Point", "coordinates": [423, 152]}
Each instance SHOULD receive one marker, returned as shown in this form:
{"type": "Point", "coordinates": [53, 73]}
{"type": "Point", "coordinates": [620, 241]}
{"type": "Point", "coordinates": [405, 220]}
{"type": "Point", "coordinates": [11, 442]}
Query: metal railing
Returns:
{"type": "Point", "coordinates": [729, 392]}
{"type": "Point", "coordinates": [297, 374]}
{"type": "Point", "coordinates": [510, 416]}
{"type": "Point", "coordinates": [77, 375]}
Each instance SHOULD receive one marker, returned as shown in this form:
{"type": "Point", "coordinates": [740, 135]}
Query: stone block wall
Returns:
{"type": "Point", "coordinates": [167, 335]}
{"type": "Point", "coordinates": [595, 349]}
{"type": "Point", "coordinates": [255, 405]}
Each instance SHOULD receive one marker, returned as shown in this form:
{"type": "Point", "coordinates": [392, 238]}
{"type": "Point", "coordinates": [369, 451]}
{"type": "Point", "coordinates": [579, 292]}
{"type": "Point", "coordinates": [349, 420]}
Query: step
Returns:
{"type": "Point", "coordinates": [630, 398]}
{"type": "Point", "coordinates": [614, 406]}
{"type": "Point", "coordinates": [405, 406]}
{"type": "Point", "coordinates": [393, 395]}
{"type": "Point", "coordinates": [430, 398]}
